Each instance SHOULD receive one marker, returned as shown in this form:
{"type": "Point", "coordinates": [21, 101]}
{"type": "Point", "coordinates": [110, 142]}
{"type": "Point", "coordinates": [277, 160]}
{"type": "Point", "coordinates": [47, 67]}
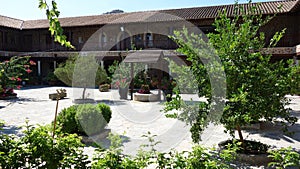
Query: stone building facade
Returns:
{"type": "Point", "coordinates": [112, 35]}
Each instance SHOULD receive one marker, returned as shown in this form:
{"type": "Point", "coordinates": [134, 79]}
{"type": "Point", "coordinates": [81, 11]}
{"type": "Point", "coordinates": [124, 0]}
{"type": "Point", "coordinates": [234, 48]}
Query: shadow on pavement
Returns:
{"type": "Point", "coordinates": [276, 131]}
{"type": "Point", "coordinates": [11, 130]}
{"type": "Point", "coordinates": [113, 102]}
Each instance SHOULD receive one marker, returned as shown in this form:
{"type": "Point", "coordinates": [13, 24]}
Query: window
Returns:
{"type": "Point", "coordinates": [149, 40]}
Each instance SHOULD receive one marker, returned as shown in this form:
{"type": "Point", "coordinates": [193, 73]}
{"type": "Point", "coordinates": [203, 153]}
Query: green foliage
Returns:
{"type": "Point", "coordinates": [37, 149]}
{"type": "Point", "coordinates": [66, 120]}
{"type": "Point", "coordinates": [12, 73]}
{"type": "Point", "coordinates": [199, 157]}
{"type": "Point", "coordinates": [84, 119]}
{"type": "Point", "coordinates": [2, 122]}
{"type": "Point", "coordinates": [89, 119]}
{"type": "Point", "coordinates": [284, 157]}
{"type": "Point", "coordinates": [183, 73]}
{"type": "Point", "coordinates": [119, 74]}
{"type": "Point", "coordinates": [255, 87]}
{"type": "Point", "coordinates": [113, 157]}
{"type": "Point", "coordinates": [51, 78]}
{"type": "Point", "coordinates": [65, 71]}
{"type": "Point", "coordinates": [54, 24]}
{"type": "Point", "coordinates": [79, 71]}
{"type": "Point", "coordinates": [106, 111]}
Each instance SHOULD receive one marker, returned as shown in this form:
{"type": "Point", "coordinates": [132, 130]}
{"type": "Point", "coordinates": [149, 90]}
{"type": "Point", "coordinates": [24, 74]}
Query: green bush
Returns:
{"type": "Point", "coordinates": [284, 158]}
{"type": "Point", "coordinates": [66, 120]}
{"type": "Point", "coordinates": [37, 149]}
{"type": "Point", "coordinates": [84, 119]}
{"type": "Point", "coordinates": [106, 111]}
{"type": "Point", "coordinates": [90, 119]}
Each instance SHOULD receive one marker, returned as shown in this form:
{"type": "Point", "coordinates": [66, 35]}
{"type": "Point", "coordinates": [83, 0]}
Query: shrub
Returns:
{"type": "Point", "coordinates": [89, 119]}
{"type": "Point", "coordinates": [84, 119]}
{"type": "Point", "coordinates": [12, 73]}
{"type": "Point", "coordinates": [52, 79]}
{"type": "Point", "coordinates": [37, 149]}
{"type": "Point", "coordinates": [106, 111]}
{"type": "Point", "coordinates": [284, 157]}
{"type": "Point", "coordinates": [66, 120]}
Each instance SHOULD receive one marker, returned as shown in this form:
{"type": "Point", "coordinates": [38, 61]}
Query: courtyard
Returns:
{"type": "Point", "coordinates": [132, 119]}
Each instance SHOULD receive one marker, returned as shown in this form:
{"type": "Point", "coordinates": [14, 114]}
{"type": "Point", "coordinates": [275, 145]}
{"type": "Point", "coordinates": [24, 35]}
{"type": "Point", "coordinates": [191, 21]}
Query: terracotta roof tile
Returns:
{"type": "Point", "coordinates": [208, 12]}
{"type": "Point", "coordinates": [10, 22]}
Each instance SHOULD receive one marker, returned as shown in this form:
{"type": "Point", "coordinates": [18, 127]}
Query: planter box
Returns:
{"type": "Point", "coordinates": [84, 101]}
{"type": "Point", "coordinates": [254, 159]}
{"type": "Point", "coordinates": [53, 96]}
{"type": "Point", "coordinates": [145, 97]}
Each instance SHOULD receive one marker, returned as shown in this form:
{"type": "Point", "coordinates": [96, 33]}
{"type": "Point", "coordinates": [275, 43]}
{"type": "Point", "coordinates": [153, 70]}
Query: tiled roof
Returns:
{"type": "Point", "coordinates": [10, 22]}
{"type": "Point", "coordinates": [208, 12]}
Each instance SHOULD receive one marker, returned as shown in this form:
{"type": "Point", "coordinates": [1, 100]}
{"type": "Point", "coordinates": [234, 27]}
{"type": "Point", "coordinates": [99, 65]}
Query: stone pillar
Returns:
{"type": "Point", "coordinates": [39, 68]}
{"type": "Point", "coordinates": [102, 64]}
{"type": "Point", "coordinates": [54, 64]}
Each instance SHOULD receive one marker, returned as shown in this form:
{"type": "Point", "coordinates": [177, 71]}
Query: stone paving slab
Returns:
{"type": "Point", "coordinates": [132, 119]}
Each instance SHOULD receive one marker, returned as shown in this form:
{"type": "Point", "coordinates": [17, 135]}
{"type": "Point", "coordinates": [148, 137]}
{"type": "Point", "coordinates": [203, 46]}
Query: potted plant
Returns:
{"type": "Point", "coordinates": [122, 84]}
{"type": "Point", "coordinates": [104, 87]}
{"type": "Point", "coordinates": [145, 89]}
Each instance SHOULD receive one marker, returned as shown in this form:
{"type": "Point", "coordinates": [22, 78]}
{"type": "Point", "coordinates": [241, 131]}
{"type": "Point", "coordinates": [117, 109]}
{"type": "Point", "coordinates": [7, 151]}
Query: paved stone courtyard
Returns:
{"type": "Point", "coordinates": [132, 119]}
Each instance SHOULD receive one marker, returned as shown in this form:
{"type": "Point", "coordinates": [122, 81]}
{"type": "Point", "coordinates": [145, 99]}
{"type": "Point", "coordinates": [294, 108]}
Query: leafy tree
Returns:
{"type": "Point", "coordinates": [79, 71]}
{"type": "Point", "coordinates": [256, 88]}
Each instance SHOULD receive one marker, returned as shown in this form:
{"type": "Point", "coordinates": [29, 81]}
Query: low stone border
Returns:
{"type": "Point", "coordinates": [145, 97]}
{"type": "Point", "coordinates": [8, 97]}
{"type": "Point", "coordinates": [254, 159]}
{"type": "Point", "coordinates": [83, 101]}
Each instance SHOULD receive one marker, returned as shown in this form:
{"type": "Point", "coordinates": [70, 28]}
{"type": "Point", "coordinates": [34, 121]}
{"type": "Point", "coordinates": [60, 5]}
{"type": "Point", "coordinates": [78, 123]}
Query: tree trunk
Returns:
{"type": "Point", "coordinates": [83, 93]}
{"type": "Point", "coordinates": [238, 127]}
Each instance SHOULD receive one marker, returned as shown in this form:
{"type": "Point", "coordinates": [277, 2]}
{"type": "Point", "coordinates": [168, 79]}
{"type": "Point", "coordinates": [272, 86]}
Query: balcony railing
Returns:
{"type": "Point", "coordinates": [158, 44]}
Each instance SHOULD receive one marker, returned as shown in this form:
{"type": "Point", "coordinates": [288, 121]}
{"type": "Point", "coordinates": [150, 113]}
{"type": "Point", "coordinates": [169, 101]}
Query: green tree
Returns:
{"type": "Point", "coordinates": [79, 71]}
{"type": "Point", "coordinates": [256, 88]}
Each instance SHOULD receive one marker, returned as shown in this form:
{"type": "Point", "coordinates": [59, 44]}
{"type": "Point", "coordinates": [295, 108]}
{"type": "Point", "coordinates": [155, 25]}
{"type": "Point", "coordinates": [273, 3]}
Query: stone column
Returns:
{"type": "Point", "coordinates": [39, 68]}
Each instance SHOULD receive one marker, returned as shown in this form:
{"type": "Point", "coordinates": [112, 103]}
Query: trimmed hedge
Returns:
{"type": "Point", "coordinates": [84, 119]}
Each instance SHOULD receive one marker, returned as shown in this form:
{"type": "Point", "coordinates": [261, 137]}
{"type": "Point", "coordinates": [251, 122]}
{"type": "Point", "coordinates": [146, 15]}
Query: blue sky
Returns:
{"type": "Point", "coordinates": [28, 9]}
